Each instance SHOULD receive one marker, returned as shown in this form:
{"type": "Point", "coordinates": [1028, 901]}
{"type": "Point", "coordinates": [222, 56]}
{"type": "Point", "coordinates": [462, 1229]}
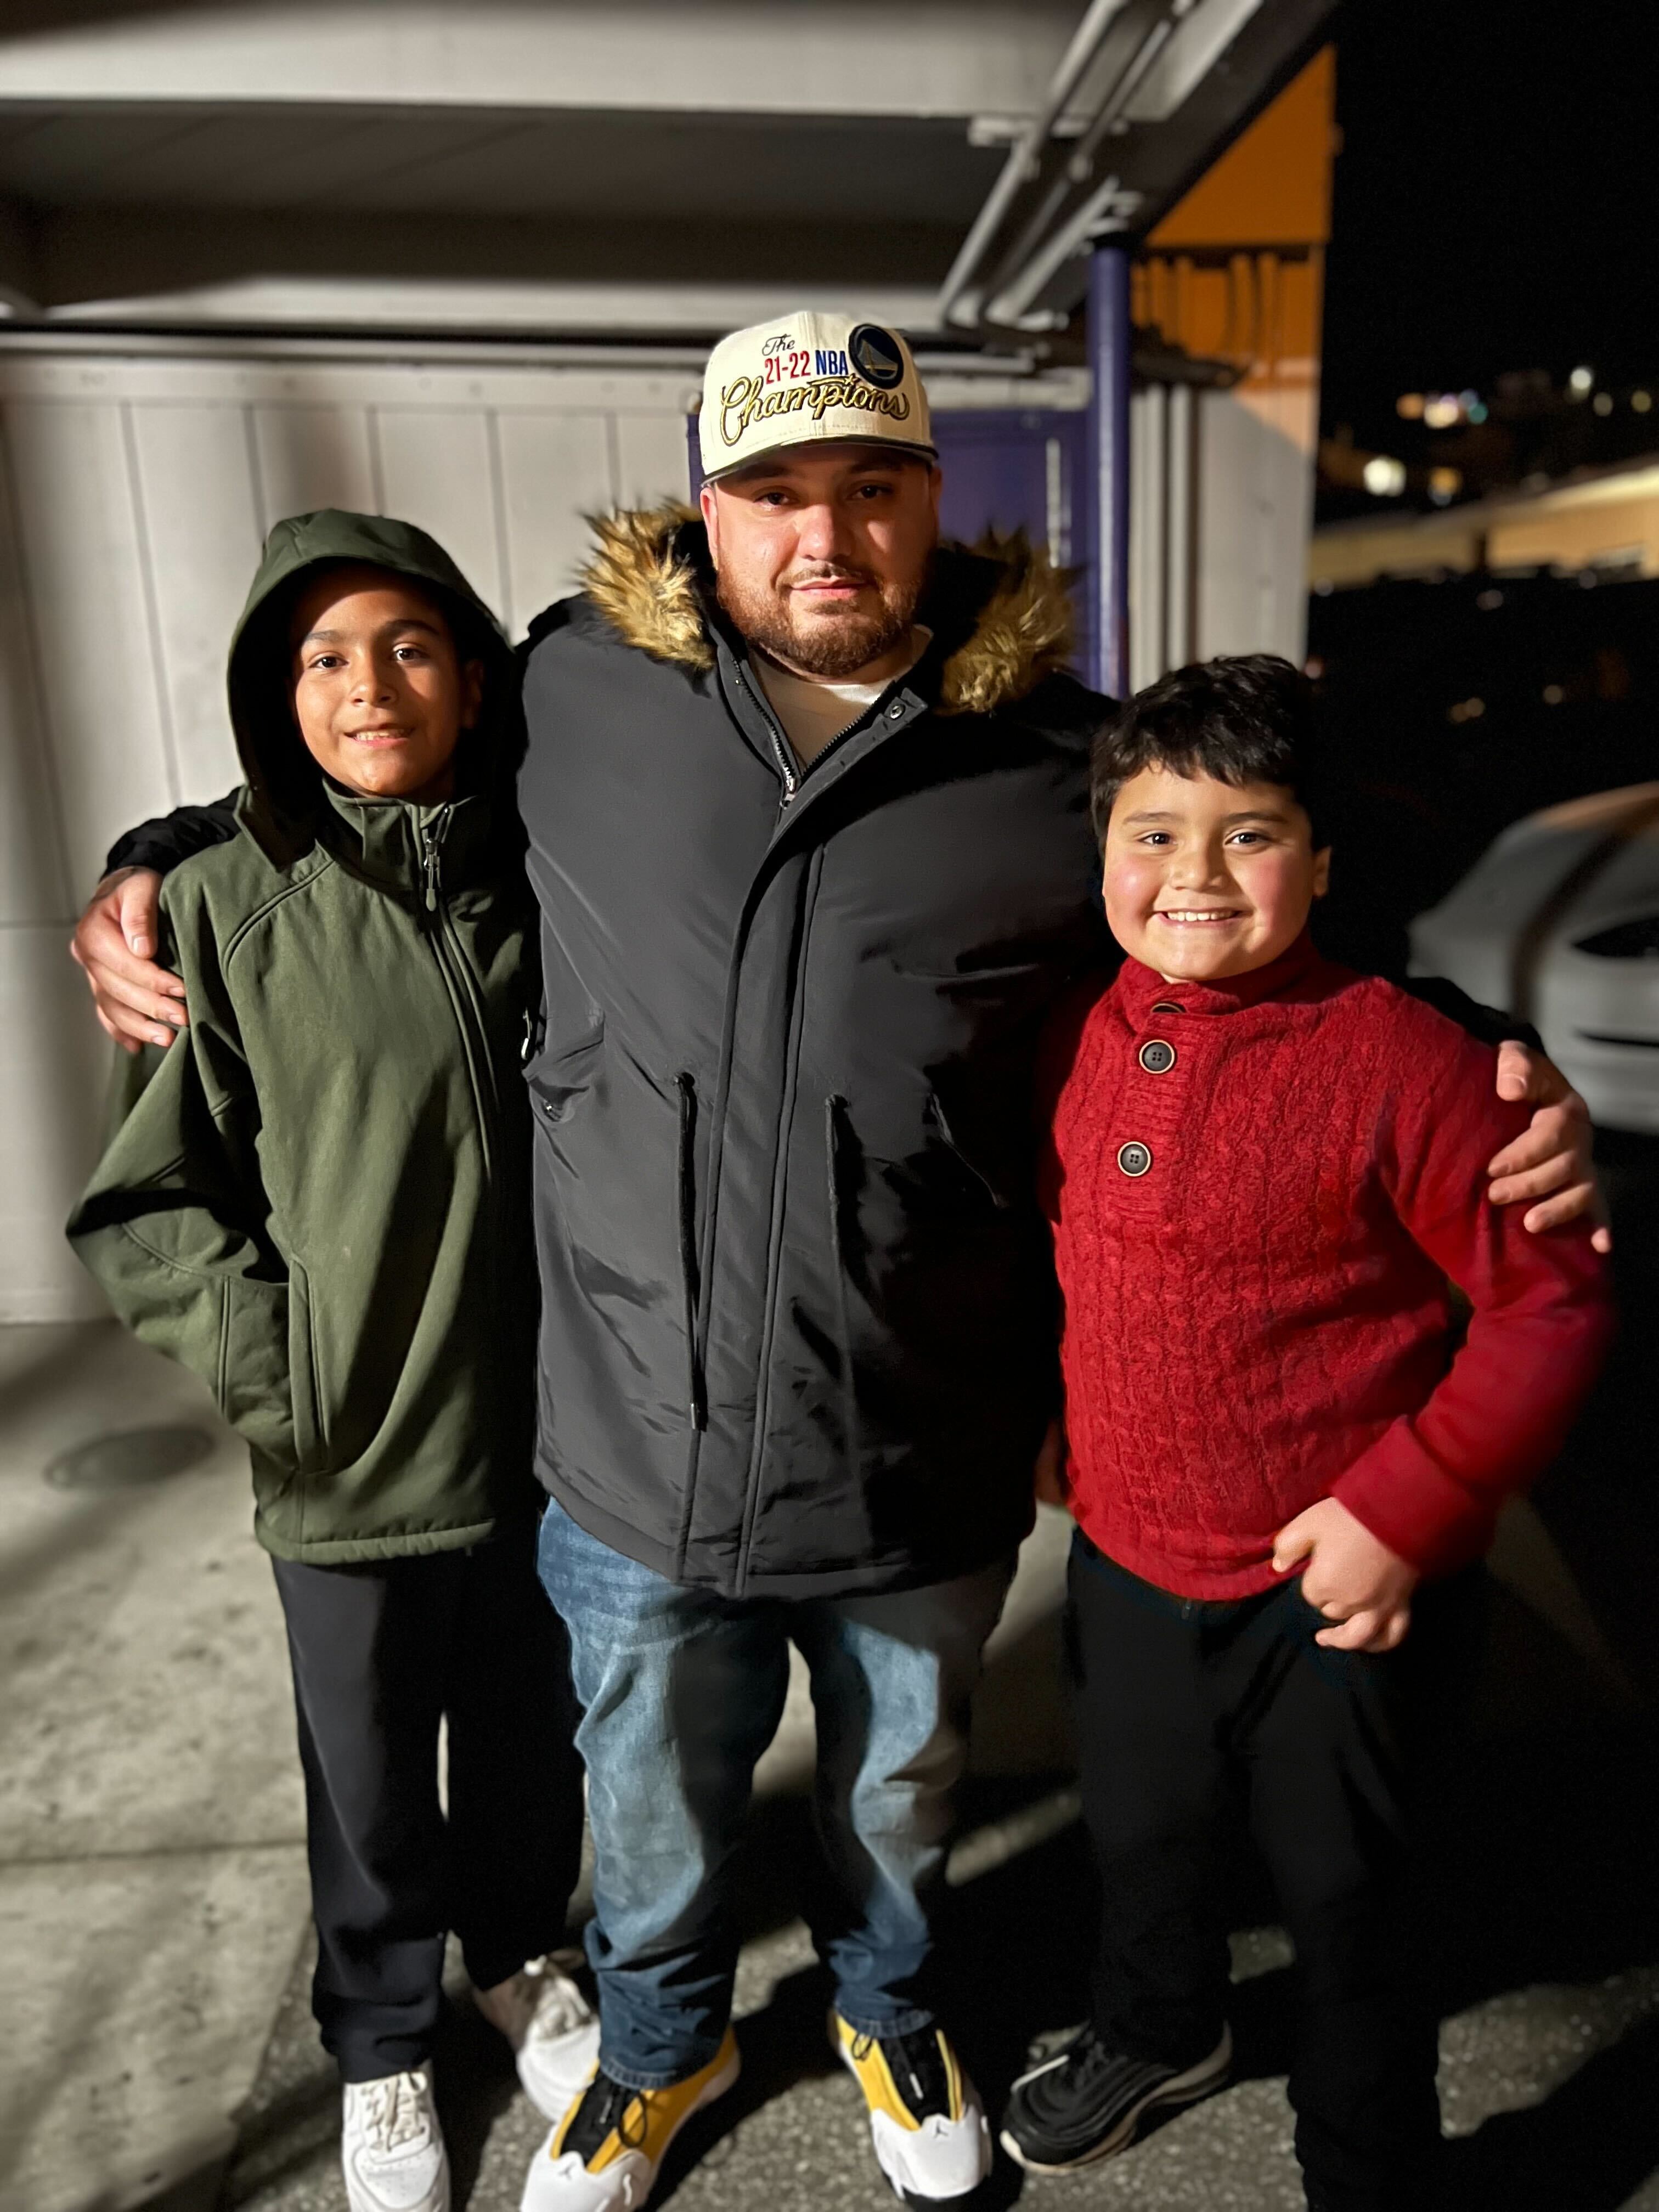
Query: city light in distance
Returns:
{"type": "Point", "coordinates": [1440, 410]}
{"type": "Point", "coordinates": [1641, 401]}
{"type": "Point", "coordinates": [1580, 382]}
{"type": "Point", "coordinates": [1384, 476]}
{"type": "Point", "coordinates": [1602, 402]}
{"type": "Point", "coordinates": [1444, 484]}
{"type": "Point", "coordinates": [1553, 695]}
{"type": "Point", "coordinates": [1466, 710]}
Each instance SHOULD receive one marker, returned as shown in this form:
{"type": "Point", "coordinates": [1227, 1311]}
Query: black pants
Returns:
{"type": "Point", "coordinates": [1194, 1717]}
{"type": "Point", "coordinates": [380, 1652]}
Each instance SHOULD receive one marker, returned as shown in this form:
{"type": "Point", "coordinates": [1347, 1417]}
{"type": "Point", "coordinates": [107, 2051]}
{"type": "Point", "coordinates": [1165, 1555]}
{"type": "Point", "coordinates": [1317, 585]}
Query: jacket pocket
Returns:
{"type": "Point", "coordinates": [563, 1072]}
{"type": "Point", "coordinates": [305, 1379]}
{"type": "Point", "coordinates": [837, 1160]}
{"type": "Point", "coordinates": [254, 1380]}
{"type": "Point", "coordinates": [685, 1207]}
{"type": "Point", "coordinates": [1003, 974]}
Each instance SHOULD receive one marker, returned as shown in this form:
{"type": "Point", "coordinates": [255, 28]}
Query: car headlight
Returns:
{"type": "Point", "coordinates": [1625, 940]}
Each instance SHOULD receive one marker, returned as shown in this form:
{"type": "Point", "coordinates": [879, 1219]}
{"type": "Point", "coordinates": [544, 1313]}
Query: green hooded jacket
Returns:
{"type": "Point", "coordinates": [316, 1198]}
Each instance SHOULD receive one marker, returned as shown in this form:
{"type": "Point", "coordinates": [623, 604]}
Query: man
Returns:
{"type": "Point", "coordinates": [805, 796]}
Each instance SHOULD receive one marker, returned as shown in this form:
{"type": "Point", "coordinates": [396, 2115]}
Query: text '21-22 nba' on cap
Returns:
{"type": "Point", "coordinates": [810, 379]}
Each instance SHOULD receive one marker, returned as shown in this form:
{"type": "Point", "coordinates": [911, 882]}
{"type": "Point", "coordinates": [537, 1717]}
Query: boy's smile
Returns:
{"type": "Point", "coordinates": [1205, 879]}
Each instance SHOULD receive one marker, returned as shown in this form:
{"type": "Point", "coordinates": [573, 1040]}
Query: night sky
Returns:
{"type": "Point", "coordinates": [1497, 198]}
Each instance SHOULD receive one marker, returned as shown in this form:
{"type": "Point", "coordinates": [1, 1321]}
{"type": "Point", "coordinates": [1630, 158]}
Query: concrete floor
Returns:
{"type": "Point", "coordinates": [152, 1875]}
{"type": "Point", "coordinates": [156, 2047]}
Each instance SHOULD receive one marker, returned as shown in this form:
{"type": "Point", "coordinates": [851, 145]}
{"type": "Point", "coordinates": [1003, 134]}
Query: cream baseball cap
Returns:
{"type": "Point", "coordinates": [810, 380]}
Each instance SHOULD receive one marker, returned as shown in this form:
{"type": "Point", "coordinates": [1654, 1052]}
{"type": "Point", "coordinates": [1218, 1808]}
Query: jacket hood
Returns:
{"type": "Point", "coordinates": [286, 782]}
{"type": "Point", "coordinates": [1001, 610]}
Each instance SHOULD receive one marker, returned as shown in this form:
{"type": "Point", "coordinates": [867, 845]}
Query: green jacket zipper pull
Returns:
{"type": "Point", "coordinates": [430, 836]}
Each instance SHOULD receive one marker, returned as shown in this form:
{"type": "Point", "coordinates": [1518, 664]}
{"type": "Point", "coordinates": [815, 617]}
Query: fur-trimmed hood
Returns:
{"type": "Point", "coordinates": [649, 574]}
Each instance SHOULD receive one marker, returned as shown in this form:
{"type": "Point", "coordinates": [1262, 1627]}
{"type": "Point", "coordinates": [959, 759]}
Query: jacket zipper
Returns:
{"type": "Point", "coordinates": [686, 1197]}
{"type": "Point", "coordinates": [453, 966]}
{"type": "Point", "coordinates": [788, 767]}
{"type": "Point", "coordinates": [782, 752]}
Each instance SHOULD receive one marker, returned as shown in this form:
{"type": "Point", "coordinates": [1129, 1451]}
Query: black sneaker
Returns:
{"type": "Point", "coordinates": [1088, 2103]}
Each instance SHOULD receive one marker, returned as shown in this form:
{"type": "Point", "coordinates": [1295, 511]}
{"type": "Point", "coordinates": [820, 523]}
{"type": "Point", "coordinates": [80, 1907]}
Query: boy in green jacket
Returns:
{"type": "Point", "coordinates": [314, 1201]}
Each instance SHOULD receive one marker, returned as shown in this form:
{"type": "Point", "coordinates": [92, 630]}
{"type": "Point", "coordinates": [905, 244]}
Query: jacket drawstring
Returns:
{"type": "Point", "coordinates": [686, 1195]}
{"type": "Point", "coordinates": [835, 1110]}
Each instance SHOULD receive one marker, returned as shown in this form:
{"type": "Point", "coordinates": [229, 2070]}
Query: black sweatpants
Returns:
{"type": "Point", "coordinates": [380, 1652]}
{"type": "Point", "coordinates": [1193, 1718]}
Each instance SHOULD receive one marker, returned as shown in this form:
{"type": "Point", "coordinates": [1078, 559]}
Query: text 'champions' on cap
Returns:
{"type": "Point", "coordinates": [810, 380]}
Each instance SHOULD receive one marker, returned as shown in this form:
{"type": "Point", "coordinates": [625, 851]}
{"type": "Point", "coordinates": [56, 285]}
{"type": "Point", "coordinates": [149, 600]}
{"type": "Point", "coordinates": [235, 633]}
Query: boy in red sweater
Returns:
{"type": "Point", "coordinates": [1264, 1171]}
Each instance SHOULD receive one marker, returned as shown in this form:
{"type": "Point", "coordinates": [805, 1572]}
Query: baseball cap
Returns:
{"type": "Point", "coordinates": [810, 379]}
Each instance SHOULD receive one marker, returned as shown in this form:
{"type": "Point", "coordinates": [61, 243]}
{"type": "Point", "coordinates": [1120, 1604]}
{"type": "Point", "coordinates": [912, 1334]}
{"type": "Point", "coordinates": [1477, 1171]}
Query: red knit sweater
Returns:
{"type": "Point", "coordinates": [1258, 1189]}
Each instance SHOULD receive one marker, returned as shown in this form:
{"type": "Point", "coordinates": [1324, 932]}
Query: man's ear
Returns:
{"type": "Point", "coordinates": [1322, 874]}
{"type": "Point", "coordinates": [711, 521]}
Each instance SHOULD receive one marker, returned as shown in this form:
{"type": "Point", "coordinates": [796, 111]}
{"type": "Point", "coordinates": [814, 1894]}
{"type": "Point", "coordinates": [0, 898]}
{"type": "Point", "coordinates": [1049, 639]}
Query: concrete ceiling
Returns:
{"type": "Point", "coordinates": [611, 162]}
{"type": "Point", "coordinates": [624, 166]}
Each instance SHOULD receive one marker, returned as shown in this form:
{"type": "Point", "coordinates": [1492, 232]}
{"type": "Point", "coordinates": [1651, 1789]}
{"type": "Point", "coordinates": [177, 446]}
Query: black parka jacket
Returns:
{"type": "Point", "coordinates": [797, 1316]}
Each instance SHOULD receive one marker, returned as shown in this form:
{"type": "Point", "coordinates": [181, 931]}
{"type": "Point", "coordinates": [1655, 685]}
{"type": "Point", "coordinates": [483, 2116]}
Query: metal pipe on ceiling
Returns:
{"type": "Point", "coordinates": [1079, 165]}
{"type": "Point", "coordinates": [1021, 164]}
{"type": "Point", "coordinates": [1096, 214]}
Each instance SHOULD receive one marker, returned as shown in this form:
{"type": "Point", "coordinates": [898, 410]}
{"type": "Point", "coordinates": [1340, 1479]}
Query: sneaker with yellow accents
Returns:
{"type": "Point", "coordinates": [928, 2126]}
{"type": "Point", "coordinates": [605, 2153]}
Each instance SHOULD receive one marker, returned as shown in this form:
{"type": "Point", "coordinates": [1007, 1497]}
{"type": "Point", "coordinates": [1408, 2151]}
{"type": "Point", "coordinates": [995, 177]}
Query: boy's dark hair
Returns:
{"type": "Point", "coordinates": [1245, 718]}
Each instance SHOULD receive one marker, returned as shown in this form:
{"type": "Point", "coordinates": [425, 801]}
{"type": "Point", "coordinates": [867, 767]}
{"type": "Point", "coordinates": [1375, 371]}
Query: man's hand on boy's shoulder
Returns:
{"type": "Point", "coordinates": [114, 943]}
{"type": "Point", "coordinates": [1549, 1167]}
{"type": "Point", "coordinates": [1363, 1589]}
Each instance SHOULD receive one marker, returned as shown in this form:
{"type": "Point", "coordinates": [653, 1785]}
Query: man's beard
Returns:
{"type": "Point", "coordinates": [834, 645]}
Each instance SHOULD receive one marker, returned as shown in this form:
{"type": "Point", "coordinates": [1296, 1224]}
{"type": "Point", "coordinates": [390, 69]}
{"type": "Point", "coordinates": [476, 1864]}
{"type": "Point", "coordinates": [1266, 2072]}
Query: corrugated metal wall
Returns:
{"type": "Point", "coordinates": [135, 496]}
{"type": "Point", "coordinates": [1220, 504]}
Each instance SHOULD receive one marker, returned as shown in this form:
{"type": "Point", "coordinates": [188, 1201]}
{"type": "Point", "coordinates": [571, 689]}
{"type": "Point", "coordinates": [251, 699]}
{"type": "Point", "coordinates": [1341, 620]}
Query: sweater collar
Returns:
{"type": "Point", "coordinates": [1142, 990]}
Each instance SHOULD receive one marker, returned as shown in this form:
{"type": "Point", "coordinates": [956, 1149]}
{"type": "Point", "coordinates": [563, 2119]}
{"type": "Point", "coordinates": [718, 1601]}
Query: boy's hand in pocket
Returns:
{"type": "Point", "coordinates": [1363, 1589]}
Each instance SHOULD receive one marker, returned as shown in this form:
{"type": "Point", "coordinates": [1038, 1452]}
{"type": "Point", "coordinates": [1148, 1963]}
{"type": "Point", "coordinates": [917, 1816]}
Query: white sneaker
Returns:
{"type": "Point", "coordinates": [552, 2027]}
{"type": "Point", "coordinates": [392, 2148]}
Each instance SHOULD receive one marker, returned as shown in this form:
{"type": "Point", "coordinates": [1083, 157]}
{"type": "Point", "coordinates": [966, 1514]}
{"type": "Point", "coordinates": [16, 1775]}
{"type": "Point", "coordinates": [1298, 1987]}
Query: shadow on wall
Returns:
{"type": "Point", "coordinates": [84, 751]}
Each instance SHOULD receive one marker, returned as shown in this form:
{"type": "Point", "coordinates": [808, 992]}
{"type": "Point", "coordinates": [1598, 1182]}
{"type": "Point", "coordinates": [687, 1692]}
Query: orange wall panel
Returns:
{"type": "Point", "coordinates": [1272, 186]}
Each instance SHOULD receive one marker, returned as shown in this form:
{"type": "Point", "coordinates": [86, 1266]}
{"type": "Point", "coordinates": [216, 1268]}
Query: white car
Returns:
{"type": "Point", "coordinates": [1558, 922]}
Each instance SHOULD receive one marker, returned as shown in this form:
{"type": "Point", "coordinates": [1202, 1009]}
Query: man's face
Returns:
{"type": "Point", "coordinates": [821, 553]}
{"type": "Point", "coordinates": [381, 694]}
{"type": "Point", "coordinates": [1205, 879]}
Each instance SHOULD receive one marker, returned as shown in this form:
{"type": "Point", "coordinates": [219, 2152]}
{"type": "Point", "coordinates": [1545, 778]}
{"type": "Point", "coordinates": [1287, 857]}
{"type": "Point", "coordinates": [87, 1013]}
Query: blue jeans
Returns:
{"type": "Point", "coordinates": [682, 1692]}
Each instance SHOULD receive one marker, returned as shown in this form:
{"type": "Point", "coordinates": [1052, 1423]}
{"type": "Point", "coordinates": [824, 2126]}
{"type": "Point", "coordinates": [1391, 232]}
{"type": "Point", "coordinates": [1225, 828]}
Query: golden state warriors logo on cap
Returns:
{"type": "Point", "coordinates": [875, 354]}
{"type": "Point", "coordinates": [810, 379]}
